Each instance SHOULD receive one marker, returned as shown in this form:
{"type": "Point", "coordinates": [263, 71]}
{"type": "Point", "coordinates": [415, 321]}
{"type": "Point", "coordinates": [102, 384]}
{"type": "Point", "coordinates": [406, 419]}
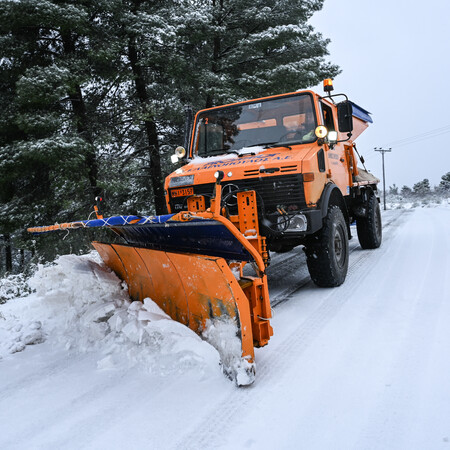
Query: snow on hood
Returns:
{"type": "Point", "coordinates": [241, 152]}
{"type": "Point", "coordinates": [78, 304]}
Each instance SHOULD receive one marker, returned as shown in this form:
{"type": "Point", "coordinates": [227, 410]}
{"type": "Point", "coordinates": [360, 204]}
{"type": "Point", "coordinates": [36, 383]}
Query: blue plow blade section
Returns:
{"type": "Point", "coordinates": [198, 235]}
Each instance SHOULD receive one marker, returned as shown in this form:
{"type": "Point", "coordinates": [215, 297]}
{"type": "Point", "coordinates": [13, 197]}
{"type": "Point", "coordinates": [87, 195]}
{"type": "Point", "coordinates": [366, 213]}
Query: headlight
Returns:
{"type": "Point", "coordinates": [332, 137]}
{"type": "Point", "coordinates": [180, 153]}
{"type": "Point", "coordinates": [297, 223]}
{"type": "Point", "coordinates": [181, 181]}
{"type": "Point", "coordinates": [321, 131]}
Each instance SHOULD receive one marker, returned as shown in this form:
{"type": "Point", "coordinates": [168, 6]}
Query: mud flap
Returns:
{"type": "Point", "coordinates": [197, 290]}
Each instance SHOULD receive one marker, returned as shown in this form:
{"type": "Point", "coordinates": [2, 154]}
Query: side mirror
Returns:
{"type": "Point", "coordinates": [345, 117]}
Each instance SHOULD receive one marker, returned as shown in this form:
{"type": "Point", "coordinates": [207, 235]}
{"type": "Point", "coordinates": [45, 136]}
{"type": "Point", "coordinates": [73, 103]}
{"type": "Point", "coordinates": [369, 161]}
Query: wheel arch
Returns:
{"type": "Point", "coordinates": [332, 195]}
{"type": "Point", "coordinates": [369, 191]}
{"type": "Point", "coordinates": [362, 199]}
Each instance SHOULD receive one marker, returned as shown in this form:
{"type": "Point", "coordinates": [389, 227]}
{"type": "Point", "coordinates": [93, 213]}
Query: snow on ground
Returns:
{"type": "Point", "coordinates": [362, 366]}
{"type": "Point", "coordinates": [80, 306]}
{"type": "Point", "coordinates": [399, 202]}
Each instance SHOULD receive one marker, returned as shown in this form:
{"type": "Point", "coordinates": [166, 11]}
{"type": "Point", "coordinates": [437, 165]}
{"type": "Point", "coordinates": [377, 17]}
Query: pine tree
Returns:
{"type": "Point", "coordinates": [246, 49]}
{"type": "Point", "coordinates": [393, 190]}
{"type": "Point", "coordinates": [406, 191]}
{"type": "Point", "coordinates": [49, 167]}
{"type": "Point", "coordinates": [147, 45]}
{"type": "Point", "coordinates": [211, 52]}
{"type": "Point", "coordinates": [444, 185]}
{"type": "Point", "coordinates": [422, 187]}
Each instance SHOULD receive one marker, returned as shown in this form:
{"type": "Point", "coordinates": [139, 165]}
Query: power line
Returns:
{"type": "Point", "coordinates": [424, 138]}
{"type": "Point", "coordinates": [420, 137]}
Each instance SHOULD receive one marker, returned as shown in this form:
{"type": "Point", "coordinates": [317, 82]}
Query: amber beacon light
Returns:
{"type": "Point", "coordinates": [328, 85]}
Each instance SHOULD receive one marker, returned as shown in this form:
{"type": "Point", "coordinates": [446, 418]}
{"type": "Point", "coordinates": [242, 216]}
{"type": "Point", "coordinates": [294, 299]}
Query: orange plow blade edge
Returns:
{"type": "Point", "coordinates": [202, 293]}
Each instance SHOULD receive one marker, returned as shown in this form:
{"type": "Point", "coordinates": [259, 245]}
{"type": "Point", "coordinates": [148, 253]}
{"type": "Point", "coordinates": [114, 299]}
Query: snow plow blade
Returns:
{"type": "Point", "coordinates": [191, 264]}
{"type": "Point", "coordinates": [198, 291]}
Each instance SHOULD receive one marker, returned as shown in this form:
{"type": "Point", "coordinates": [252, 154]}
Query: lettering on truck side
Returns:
{"type": "Point", "coordinates": [217, 164]}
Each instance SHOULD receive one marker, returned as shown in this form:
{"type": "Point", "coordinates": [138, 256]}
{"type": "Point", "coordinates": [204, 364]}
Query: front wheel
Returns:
{"type": "Point", "coordinates": [369, 227]}
{"type": "Point", "coordinates": [327, 252]}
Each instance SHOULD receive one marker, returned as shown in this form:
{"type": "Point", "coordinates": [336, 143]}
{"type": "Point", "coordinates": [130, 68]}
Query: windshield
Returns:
{"type": "Point", "coordinates": [282, 120]}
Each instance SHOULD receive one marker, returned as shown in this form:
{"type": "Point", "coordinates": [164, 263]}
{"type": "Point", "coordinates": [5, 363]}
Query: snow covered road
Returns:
{"type": "Point", "coordinates": [362, 366]}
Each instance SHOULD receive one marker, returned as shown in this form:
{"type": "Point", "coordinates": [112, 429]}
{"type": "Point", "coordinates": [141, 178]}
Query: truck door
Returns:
{"type": "Point", "coordinates": [336, 155]}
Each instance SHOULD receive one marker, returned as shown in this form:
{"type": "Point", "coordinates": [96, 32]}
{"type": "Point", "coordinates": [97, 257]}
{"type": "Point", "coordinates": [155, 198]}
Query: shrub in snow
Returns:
{"type": "Point", "coordinates": [13, 286]}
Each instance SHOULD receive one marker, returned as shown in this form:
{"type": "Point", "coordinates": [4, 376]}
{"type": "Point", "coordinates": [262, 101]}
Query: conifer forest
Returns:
{"type": "Point", "coordinates": [93, 97]}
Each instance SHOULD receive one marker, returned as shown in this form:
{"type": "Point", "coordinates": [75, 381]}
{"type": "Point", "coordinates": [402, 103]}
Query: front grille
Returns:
{"type": "Point", "coordinates": [281, 190]}
{"type": "Point", "coordinates": [288, 168]}
{"type": "Point", "coordinates": [251, 173]}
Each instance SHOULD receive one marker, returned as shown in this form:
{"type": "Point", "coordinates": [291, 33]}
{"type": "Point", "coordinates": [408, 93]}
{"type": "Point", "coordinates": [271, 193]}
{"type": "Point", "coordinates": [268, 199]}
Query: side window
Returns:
{"type": "Point", "coordinates": [327, 115]}
{"type": "Point", "coordinates": [211, 137]}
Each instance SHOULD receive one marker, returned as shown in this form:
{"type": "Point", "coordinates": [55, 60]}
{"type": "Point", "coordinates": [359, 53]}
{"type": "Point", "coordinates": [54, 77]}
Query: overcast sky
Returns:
{"type": "Point", "coordinates": [395, 61]}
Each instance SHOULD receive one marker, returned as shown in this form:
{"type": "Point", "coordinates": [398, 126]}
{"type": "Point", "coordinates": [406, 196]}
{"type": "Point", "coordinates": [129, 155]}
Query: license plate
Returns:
{"type": "Point", "coordinates": [183, 192]}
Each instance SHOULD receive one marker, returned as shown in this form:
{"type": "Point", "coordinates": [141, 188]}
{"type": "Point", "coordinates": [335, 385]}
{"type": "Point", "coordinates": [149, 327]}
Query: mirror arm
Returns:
{"type": "Point", "coordinates": [334, 95]}
{"type": "Point", "coordinates": [349, 136]}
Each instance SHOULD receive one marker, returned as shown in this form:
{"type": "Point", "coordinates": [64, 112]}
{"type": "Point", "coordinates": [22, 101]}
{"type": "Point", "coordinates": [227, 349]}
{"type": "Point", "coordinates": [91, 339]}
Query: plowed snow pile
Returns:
{"type": "Point", "coordinates": [79, 305]}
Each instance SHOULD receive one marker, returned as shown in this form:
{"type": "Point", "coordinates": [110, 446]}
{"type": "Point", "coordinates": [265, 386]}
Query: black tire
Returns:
{"type": "Point", "coordinates": [327, 252]}
{"type": "Point", "coordinates": [369, 228]}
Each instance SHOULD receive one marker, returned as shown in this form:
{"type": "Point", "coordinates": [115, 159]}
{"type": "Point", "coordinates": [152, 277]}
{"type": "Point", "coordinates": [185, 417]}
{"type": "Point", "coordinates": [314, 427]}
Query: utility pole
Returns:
{"type": "Point", "coordinates": [383, 151]}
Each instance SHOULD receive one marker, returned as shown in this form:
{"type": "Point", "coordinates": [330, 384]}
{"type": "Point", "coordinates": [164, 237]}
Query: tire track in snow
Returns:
{"type": "Point", "coordinates": [88, 408]}
{"type": "Point", "coordinates": [411, 372]}
{"type": "Point", "coordinates": [33, 380]}
{"type": "Point", "coordinates": [55, 427]}
{"type": "Point", "coordinates": [26, 433]}
{"type": "Point", "coordinates": [289, 292]}
{"type": "Point", "coordinates": [225, 415]}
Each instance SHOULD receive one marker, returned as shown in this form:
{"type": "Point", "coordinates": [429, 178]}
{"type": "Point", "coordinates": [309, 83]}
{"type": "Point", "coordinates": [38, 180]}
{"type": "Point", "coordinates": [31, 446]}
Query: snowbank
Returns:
{"type": "Point", "coordinates": [400, 202]}
{"type": "Point", "coordinates": [79, 305]}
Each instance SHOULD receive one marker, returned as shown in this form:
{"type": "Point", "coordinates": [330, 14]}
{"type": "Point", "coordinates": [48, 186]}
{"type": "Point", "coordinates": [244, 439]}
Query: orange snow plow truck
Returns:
{"type": "Point", "coordinates": [257, 176]}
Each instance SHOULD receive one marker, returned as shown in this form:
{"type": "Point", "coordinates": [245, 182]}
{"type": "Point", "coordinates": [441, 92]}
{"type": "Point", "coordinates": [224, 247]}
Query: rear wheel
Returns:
{"type": "Point", "coordinates": [327, 252]}
{"type": "Point", "coordinates": [369, 228]}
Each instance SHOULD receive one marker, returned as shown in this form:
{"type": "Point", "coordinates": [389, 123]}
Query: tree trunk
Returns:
{"type": "Point", "coordinates": [81, 119]}
{"type": "Point", "coordinates": [22, 260]}
{"type": "Point", "coordinates": [8, 252]}
{"type": "Point", "coordinates": [150, 131]}
{"type": "Point", "coordinates": [79, 109]}
{"type": "Point", "coordinates": [216, 44]}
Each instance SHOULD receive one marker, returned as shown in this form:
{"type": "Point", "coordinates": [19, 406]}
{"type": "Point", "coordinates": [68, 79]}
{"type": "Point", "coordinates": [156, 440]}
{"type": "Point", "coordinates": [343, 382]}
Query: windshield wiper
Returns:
{"type": "Point", "coordinates": [283, 144]}
{"type": "Point", "coordinates": [273, 144]}
{"type": "Point", "coordinates": [227, 152]}
{"type": "Point", "coordinates": [261, 144]}
{"type": "Point", "coordinates": [287, 144]}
